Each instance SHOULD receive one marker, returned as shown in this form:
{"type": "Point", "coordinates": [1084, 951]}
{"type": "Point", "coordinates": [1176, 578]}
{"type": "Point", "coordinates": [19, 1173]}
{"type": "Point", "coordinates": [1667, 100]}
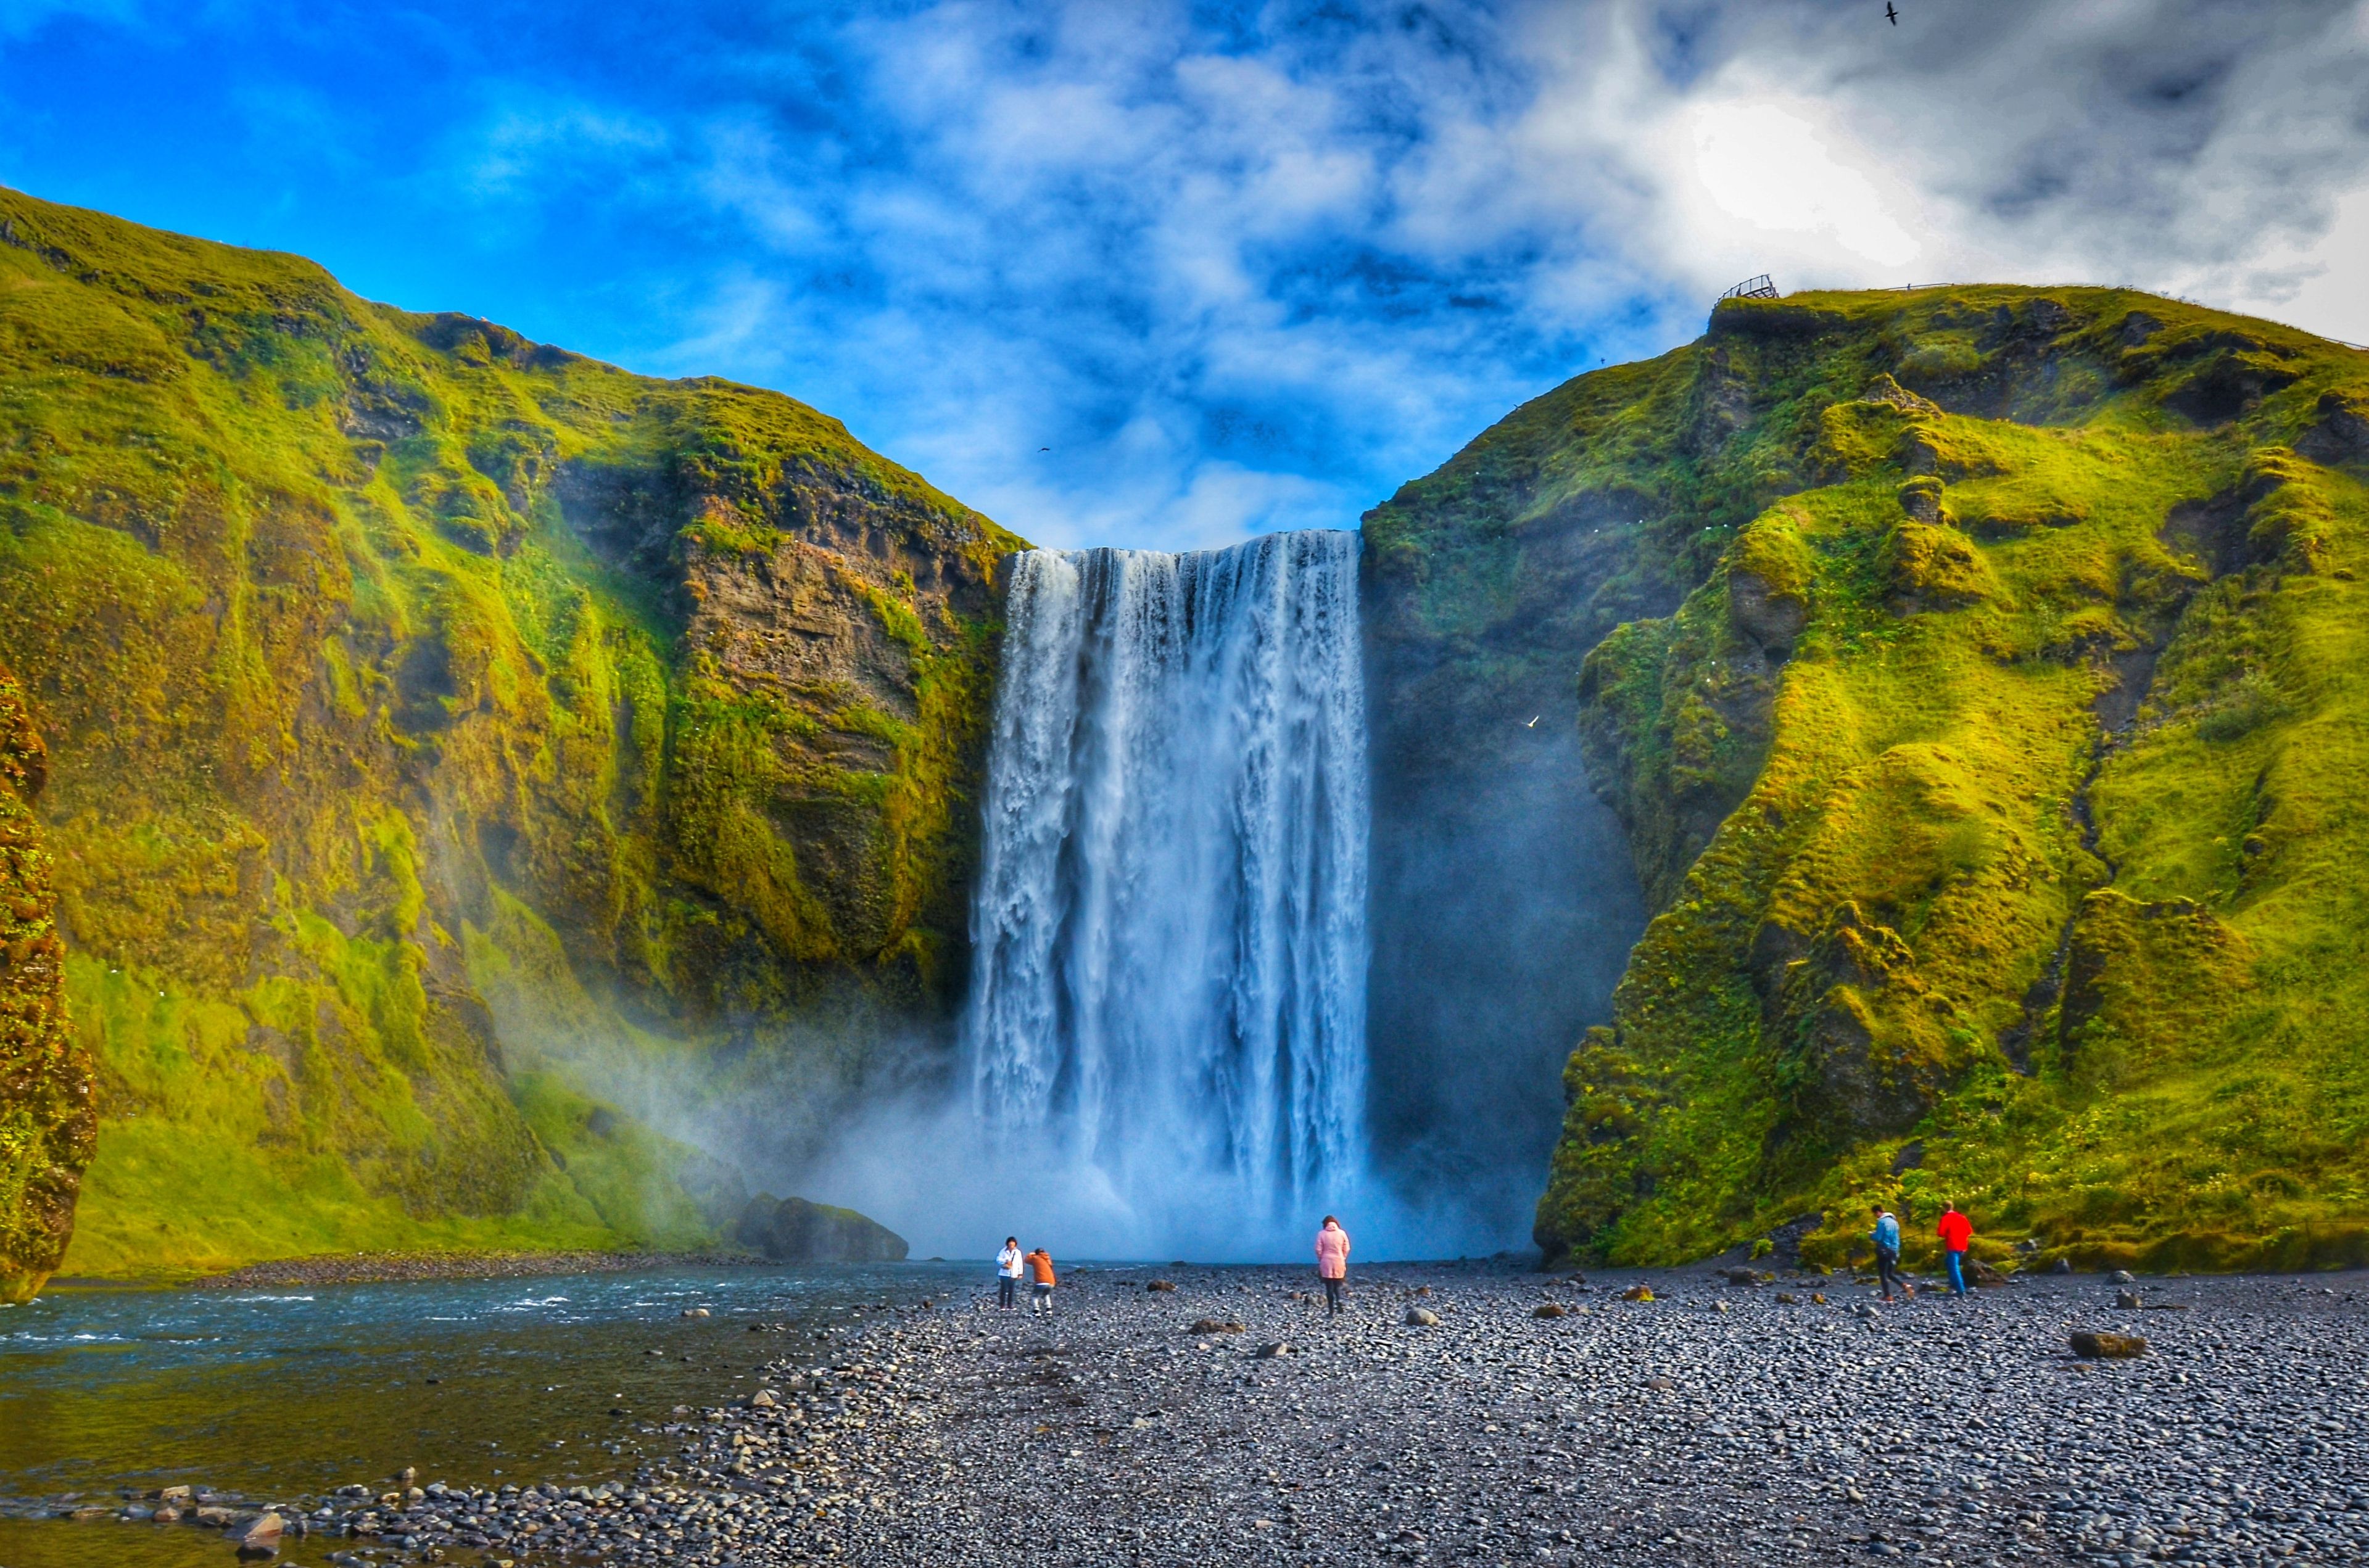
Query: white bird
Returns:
{"type": "Point", "coordinates": [1534, 723]}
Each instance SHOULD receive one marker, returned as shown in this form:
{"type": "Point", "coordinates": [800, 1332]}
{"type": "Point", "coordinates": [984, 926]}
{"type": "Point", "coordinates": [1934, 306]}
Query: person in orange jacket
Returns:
{"type": "Point", "coordinates": [1040, 1288]}
{"type": "Point", "coordinates": [1957, 1233]}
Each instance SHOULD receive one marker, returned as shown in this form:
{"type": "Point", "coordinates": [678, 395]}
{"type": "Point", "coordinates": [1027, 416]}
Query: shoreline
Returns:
{"type": "Point", "coordinates": [1541, 1418]}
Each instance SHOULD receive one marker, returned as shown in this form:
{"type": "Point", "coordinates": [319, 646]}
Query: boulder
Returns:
{"type": "Point", "coordinates": [1421, 1318]}
{"type": "Point", "coordinates": [791, 1230]}
{"type": "Point", "coordinates": [260, 1536]}
{"type": "Point", "coordinates": [1269, 1352]}
{"type": "Point", "coordinates": [1549, 1309]}
{"type": "Point", "coordinates": [1216, 1325]}
{"type": "Point", "coordinates": [2107, 1347]}
{"type": "Point", "coordinates": [1638, 1293]}
{"type": "Point", "coordinates": [1161, 1285]}
{"type": "Point", "coordinates": [2128, 1301]}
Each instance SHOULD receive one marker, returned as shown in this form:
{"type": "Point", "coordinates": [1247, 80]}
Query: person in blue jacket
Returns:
{"type": "Point", "coordinates": [1887, 1237]}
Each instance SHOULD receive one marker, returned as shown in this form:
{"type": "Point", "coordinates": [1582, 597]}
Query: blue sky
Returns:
{"type": "Point", "coordinates": [1239, 266]}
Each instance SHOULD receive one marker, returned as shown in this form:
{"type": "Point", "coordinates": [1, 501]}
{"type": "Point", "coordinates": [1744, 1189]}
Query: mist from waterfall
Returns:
{"type": "Point", "coordinates": [1167, 1011]}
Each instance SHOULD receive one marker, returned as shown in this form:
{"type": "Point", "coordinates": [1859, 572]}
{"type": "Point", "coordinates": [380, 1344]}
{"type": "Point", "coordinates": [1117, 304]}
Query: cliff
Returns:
{"type": "Point", "coordinates": [445, 730]}
{"type": "Point", "coordinates": [46, 1115]}
{"type": "Point", "coordinates": [1977, 674]}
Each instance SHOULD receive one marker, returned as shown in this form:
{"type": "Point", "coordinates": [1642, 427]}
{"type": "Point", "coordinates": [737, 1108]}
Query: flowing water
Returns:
{"type": "Point", "coordinates": [268, 1393]}
{"type": "Point", "coordinates": [1170, 952]}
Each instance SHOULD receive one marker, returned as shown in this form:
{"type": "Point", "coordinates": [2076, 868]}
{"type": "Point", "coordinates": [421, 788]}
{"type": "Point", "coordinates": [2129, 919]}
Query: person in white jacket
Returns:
{"type": "Point", "coordinates": [1007, 1271]}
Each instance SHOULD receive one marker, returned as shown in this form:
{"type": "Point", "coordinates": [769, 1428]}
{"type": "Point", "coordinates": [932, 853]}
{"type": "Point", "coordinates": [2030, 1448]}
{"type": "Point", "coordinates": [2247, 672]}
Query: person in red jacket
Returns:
{"type": "Point", "coordinates": [1957, 1233]}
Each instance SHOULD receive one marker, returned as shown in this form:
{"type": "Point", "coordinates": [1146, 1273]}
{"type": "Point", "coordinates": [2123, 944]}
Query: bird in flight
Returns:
{"type": "Point", "coordinates": [1044, 449]}
{"type": "Point", "coordinates": [1534, 723]}
{"type": "Point", "coordinates": [1890, 15]}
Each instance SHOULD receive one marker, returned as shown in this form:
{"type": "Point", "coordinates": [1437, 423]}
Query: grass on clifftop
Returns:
{"type": "Point", "coordinates": [1993, 782]}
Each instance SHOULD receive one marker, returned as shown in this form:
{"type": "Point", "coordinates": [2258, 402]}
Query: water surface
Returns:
{"type": "Point", "coordinates": [275, 1392]}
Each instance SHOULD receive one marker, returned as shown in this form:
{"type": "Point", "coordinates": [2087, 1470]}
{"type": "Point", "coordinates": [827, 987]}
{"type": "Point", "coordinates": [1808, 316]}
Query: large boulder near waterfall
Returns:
{"type": "Point", "coordinates": [793, 1230]}
{"type": "Point", "coordinates": [1978, 675]}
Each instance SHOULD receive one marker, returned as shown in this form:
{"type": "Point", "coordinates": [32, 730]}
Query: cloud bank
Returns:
{"type": "Point", "coordinates": [1237, 268]}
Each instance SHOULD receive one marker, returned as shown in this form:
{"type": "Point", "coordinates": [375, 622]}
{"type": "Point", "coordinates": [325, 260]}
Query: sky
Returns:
{"type": "Point", "coordinates": [1239, 268]}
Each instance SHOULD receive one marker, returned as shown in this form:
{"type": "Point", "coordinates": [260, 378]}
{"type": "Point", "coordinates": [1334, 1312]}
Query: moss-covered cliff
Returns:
{"type": "Point", "coordinates": [47, 1117]}
{"type": "Point", "coordinates": [1988, 711]}
{"type": "Point", "coordinates": [429, 712]}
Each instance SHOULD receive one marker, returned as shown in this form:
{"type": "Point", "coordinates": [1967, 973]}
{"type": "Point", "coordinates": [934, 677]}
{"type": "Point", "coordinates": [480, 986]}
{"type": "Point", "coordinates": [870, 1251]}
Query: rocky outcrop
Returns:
{"type": "Point", "coordinates": [791, 1230]}
{"type": "Point", "coordinates": [47, 1118]}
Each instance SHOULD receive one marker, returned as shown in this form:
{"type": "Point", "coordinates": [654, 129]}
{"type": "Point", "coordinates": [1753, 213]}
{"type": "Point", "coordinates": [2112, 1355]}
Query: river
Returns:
{"type": "Point", "coordinates": [273, 1392]}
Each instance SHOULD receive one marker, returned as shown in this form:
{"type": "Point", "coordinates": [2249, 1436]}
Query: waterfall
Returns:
{"type": "Point", "coordinates": [1169, 974]}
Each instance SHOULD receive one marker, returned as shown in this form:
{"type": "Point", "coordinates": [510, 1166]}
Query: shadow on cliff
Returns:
{"type": "Point", "coordinates": [1504, 903]}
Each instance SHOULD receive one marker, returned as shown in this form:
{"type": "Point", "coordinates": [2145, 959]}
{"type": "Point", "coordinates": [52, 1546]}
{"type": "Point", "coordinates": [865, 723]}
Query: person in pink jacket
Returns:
{"type": "Point", "coordinates": [1332, 1260]}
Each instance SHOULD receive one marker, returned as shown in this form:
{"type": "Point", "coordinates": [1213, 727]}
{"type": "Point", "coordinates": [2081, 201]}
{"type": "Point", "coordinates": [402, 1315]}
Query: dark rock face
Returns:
{"type": "Point", "coordinates": [48, 1119]}
{"type": "Point", "coordinates": [791, 1230]}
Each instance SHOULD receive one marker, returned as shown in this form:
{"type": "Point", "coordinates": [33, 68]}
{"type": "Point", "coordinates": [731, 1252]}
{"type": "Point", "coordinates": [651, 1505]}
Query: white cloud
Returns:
{"type": "Point", "coordinates": [1256, 275]}
{"type": "Point", "coordinates": [1765, 164]}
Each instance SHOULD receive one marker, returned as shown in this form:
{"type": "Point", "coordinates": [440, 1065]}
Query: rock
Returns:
{"type": "Point", "coordinates": [260, 1538]}
{"type": "Point", "coordinates": [168, 1515]}
{"type": "Point", "coordinates": [763, 1400]}
{"type": "Point", "coordinates": [687, 1311]}
{"type": "Point", "coordinates": [171, 1495]}
{"type": "Point", "coordinates": [1161, 1285]}
{"type": "Point", "coordinates": [1421, 1318]}
{"type": "Point", "coordinates": [791, 1230]}
{"type": "Point", "coordinates": [2107, 1347]}
{"type": "Point", "coordinates": [2062, 1265]}
{"type": "Point", "coordinates": [2125, 1276]}
{"type": "Point", "coordinates": [1638, 1293]}
{"type": "Point", "coordinates": [2128, 1301]}
{"type": "Point", "coordinates": [410, 1473]}
{"type": "Point", "coordinates": [1549, 1309]}
{"type": "Point", "coordinates": [1269, 1352]}
{"type": "Point", "coordinates": [1746, 1277]}
{"type": "Point", "coordinates": [215, 1518]}
{"type": "Point", "coordinates": [1818, 1298]}
{"type": "Point", "coordinates": [1787, 1298]}
{"type": "Point", "coordinates": [1217, 1325]}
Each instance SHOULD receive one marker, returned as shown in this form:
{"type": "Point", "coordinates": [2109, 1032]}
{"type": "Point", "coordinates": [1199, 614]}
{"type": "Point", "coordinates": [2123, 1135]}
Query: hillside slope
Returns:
{"type": "Point", "coordinates": [442, 726]}
{"type": "Point", "coordinates": [1988, 714]}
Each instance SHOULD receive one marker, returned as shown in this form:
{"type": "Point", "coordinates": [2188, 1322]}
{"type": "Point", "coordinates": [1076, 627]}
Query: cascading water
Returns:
{"type": "Point", "coordinates": [1170, 933]}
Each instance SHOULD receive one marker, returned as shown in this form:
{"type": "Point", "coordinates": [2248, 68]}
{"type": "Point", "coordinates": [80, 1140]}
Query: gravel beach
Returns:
{"type": "Point", "coordinates": [1719, 1422]}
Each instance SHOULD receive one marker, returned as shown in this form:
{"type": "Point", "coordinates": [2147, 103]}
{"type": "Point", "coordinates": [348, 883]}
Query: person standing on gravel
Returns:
{"type": "Point", "coordinates": [1333, 1262]}
{"type": "Point", "coordinates": [1007, 1272]}
{"type": "Point", "coordinates": [1887, 1237]}
{"type": "Point", "coordinates": [1040, 1292]}
{"type": "Point", "coordinates": [1957, 1233]}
